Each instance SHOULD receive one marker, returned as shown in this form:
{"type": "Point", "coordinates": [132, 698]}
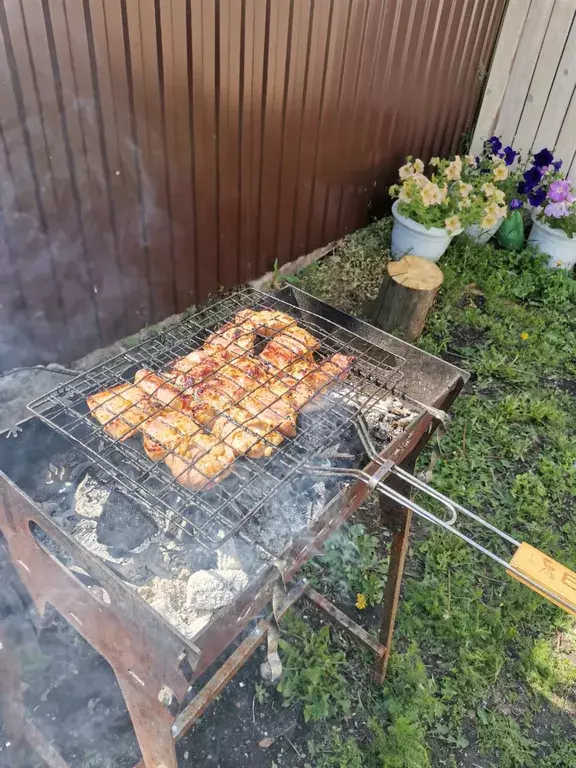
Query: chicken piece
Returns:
{"type": "Point", "coordinates": [211, 468]}
{"type": "Point", "coordinates": [196, 458]}
{"type": "Point", "coordinates": [199, 364]}
{"type": "Point", "coordinates": [266, 405]}
{"type": "Point", "coordinates": [158, 388]}
{"type": "Point", "coordinates": [121, 410]}
{"type": "Point", "coordinates": [290, 345]}
{"type": "Point", "coordinates": [266, 322]}
{"type": "Point", "coordinates": [241, 431]}
{"type": "Point", "coordinates": [303, 380]}
{"type": "Point", "coordinates": [231, 340]}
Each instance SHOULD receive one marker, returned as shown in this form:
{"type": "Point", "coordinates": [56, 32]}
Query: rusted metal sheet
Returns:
{"type": "Point", "coordinates": [152, 151]}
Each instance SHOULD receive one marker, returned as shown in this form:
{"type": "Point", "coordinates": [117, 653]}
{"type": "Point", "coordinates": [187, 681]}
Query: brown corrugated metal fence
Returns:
{"type": "Point", "coordinates": [154, 150]}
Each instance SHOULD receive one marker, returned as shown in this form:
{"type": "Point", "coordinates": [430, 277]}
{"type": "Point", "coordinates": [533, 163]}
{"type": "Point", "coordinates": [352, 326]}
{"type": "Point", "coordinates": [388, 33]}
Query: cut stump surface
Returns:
{"type": "Point", "coordinates": [406, 296]}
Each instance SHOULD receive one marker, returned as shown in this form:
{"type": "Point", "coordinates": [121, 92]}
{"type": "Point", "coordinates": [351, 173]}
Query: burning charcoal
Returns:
{"type": "Point", "coordinates": [209, 590]}
{"type": "Point", "coordinates": [123, 526]}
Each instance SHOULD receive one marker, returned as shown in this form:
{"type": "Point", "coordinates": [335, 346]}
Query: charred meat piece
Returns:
{"type": "Point", "coordinates": [121, 410]}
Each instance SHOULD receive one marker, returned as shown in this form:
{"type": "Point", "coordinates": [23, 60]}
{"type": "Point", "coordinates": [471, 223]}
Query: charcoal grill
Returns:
{"type": "Point", "coordinates": [153, 661]}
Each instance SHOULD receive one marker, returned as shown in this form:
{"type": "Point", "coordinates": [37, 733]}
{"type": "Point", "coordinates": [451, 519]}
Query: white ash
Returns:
{"type": "Point", "coordinates": [90, 497]}
{"type": "Point", "coordinates": [210, 590]}
{"type": "Point", "coordinates": [289, 513]}
{"type": "Point", "coordinates": [388, 418]}
{"type": "Point", "coordinates": [168, 597]}
{"type": "Point", "coordinates": [228, 557]}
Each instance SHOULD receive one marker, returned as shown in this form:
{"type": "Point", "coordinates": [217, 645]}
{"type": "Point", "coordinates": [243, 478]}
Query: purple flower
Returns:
{"type": "Point", "coordinates": [537, 197]}
{"type": "Point", "coordinates": [495, 144]}
{"type": "Point", "coordinates": [556, 210]}
{"type": "Point", "coordinates": [544, 157]}
{"type": "Point", "coordinates": [558, 190]}
{"type": "Point", "coordinates": [509, 155]}
{"type": "Point", "coordinates": [515, 203]}
{"type": "Point", "coordinates": [557, 165]}
{"type": "Point", "coordinates": [531, 179]}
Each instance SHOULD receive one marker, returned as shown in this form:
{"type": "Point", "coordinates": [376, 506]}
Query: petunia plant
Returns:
{"type": "Point", "coordinates": [444, 198]}
{"type": "Point", "coordinates": [552, 195]}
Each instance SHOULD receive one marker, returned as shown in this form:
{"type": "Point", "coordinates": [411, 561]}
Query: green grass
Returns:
{"type": "Point", "coordinates": [484, 669]}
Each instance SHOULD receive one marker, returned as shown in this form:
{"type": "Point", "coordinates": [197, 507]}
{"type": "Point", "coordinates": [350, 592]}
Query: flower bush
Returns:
{"type": "Point", "coordinates": [545, 188]}
{"type": "Point", "coordinates": [459, 191]}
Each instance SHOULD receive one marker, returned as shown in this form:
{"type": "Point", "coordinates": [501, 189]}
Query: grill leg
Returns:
{"type": "Point", "coordinates": [399, 520]}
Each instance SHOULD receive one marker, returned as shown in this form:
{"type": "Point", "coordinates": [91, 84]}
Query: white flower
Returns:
{"type": "Point", "coordinates": [499, 196]}
{"type": "Point", "coordinates": [471, 160]}
{"type": "Point", "coordinates": [489, 219]}
{"type": "Point", "coordinates": [419, 179]}
{"type": "Point", "coordinates": [453, 225]}
{"type": "Point", "coordinates": [465, 189]}
{"type": "Point", "coordinates": [418, 166]}
{"type": "Point", "coordinates": [434, 161]}
{"type": "Point", "coordinates": [465, 203]}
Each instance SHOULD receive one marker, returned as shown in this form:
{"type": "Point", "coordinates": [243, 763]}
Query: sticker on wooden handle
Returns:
{"type": "Point", "coordinates": [549, 573]}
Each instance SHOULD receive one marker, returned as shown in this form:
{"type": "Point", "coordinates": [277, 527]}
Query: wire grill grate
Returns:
{"type": "Point", "coordinates": [213, 515]}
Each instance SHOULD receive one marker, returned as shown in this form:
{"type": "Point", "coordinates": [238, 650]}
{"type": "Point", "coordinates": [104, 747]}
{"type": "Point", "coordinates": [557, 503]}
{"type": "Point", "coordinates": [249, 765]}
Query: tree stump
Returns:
{"type": "Point", "coordinates": [406, 296]}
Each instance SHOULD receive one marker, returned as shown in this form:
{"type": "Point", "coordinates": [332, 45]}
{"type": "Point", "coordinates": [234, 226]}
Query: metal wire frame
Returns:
{"type": "Point", "coordinates": [215, 514]}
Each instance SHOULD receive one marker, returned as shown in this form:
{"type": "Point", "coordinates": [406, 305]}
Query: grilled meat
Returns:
{"type": "Point", "coordinates": [121, 410]}
{"type": "Point", "coordinates": [292, 344]}
{"type": "Point", "coordinates": [219, 402]}
{"type": "Point", "coordinates": [242, 432]}
{"type": "Point", "coordinates": [266, 322]}
{"type": "Point", "coordinates": [195, 457]}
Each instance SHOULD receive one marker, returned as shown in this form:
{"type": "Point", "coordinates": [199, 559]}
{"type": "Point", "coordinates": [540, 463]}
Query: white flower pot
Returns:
{"type": "Point", "coordinates": [479, 235]}
{"type": "Point", "coordinates": [410, 237]}
{"type": "Point", "coordinates": [554, 243]}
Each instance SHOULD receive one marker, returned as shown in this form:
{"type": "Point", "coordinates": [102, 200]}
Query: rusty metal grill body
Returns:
{"type": "Point", "coordinates": [212, 516]}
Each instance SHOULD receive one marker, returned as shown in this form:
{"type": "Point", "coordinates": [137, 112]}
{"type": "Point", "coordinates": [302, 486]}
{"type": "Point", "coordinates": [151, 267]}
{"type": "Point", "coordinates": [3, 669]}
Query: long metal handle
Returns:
{"type": "Point", "coordinates": [555, 582]}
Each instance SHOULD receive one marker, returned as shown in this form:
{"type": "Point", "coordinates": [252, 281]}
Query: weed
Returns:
{"type": "Point", "coordinates": [335, 752]}
{"type": "Point", "coordinates": [312, 671]}
{"type": "Point", "coordinates": [351, 563]}
{"type": "Point", "coordinates": [501, 734]}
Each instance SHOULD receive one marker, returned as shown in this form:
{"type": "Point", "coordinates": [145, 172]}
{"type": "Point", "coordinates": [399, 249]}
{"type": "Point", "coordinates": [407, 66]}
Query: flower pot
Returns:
{"type": "Point", "coordinates": [555, 243]}
{"type": "Point", "coordinates": [479, 235]}
{"type": "Point", "coordinates": [410, 237]}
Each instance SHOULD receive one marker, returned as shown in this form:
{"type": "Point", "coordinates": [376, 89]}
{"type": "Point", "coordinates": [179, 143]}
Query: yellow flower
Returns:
{"type": "Point", "coordinates": [465, 189]}
{"type": "Point", "coordinates": [454, 170]}
{"type": "Point", "coordinates": [406, 171]}
{"type": "Point", "coordinates": [524, 335]}
{"type": "Point", "coordinates": [405, 195]}
{"type": "Point", "coordinates": [393, 190]}
{"type": "Point", "coordinates": [471, 160]}
{"type": "Point", "coordinates": [499, 196]}
{"type": "Point", "coordinates": [418, 166]}
{"type": "Point", "coordinates": [434, 161]}
{"type": "Point", "coordinates": [453, 226]}
{"type": "Point", "coordinates": [465, 203]}
{"type": "Point", "coordinates": [493, 209]}
{"type": "Point", "coordinates": [361, 601]}
{"type": "Point", "coordinates": [431, 194]}
{"type": "Point", "coordinates": [419, 179]}
{"type": "Point", "coordinates": [488, 189]}
{"type": "Point", "coordinates": [488, 221]}
{"type": "Point", "coordinates": [444, 192]}
{"type": "Point", "coordinates": [500, 173]}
